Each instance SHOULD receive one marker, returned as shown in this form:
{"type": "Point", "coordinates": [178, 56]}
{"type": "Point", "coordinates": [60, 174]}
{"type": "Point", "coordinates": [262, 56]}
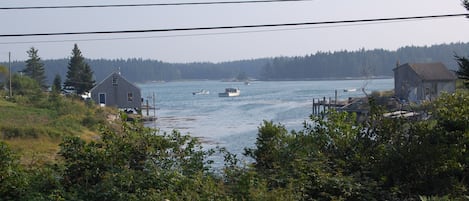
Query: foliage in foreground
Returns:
{"type": "Point", "coordinates": [333, 158]}
{"type": "Point", "coordinates": [135, 164]}
{"type": "Point", "coordinates": [336, 158]}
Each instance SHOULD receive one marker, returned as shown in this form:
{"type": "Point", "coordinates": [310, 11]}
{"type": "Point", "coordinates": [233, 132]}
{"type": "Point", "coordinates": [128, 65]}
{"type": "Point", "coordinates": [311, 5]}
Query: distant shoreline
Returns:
{"type": "Point", "coordinates": [279, 80]}
{"type": "Point", "coordinates": [333, 78]}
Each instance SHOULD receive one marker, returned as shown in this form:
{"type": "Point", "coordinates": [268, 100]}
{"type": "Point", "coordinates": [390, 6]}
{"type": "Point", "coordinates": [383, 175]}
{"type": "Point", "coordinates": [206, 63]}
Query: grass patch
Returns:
{"type": "Point", "coordinates": [89, 136]}
{"type": "Point", "coordinates": [34, 151]}
{"type": "Point", "coordinates": [14, 115]}
{"type": "Point", "coordinates": [35, 131]}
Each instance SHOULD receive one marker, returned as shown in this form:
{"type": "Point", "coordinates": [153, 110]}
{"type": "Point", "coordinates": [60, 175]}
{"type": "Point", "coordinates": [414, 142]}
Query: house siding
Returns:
{"type": "Point", "coordinates": [406, 83]}
{"type": "Point", "coordinates": [433, 89]}
{"type": "Point", "coordinates": [411, 86]}
{"type": "Point", "coordinates": [116, 90]}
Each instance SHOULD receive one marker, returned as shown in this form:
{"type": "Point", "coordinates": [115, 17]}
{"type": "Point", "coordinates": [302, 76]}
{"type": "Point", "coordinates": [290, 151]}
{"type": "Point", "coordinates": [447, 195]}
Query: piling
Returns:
{"type": "Point", "coordinates": [326, 103]}
{"type": "Point", "coordinates": [148, 108]}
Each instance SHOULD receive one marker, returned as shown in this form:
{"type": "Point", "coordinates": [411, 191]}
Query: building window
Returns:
{"type": "Point", "coordinates": [114, 80]}
{"type": "Point", "coordinates": [102, 98]}
{"type": "Point", "coordinates": [130, 97]}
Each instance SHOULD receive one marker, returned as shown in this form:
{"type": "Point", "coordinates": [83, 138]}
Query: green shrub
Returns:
{"type": "Point", "coordinates": [12, 180]}
{"type": "Point", "coordinates": [28, 132]}
{"type": "Point", "coordinates": [16, 132]}
{"type": "Point", "coordinates": [68, 124]}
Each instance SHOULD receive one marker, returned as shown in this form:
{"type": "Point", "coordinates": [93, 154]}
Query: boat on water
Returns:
{"type": "Point", "coordinates": [201, 92]}
{"type": "Point", "coordinates": [230, 92]}
{"type": "Point", "coordinates": [350, 90]}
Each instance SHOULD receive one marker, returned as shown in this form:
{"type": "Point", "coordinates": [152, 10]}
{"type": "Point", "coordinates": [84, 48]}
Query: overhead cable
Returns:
{"type": "Point", "coordinates": [202, 34]}
{"type": "Point", "coordinates": [235, 27]}
{"type": "Point", "coordinates": [147, 5]}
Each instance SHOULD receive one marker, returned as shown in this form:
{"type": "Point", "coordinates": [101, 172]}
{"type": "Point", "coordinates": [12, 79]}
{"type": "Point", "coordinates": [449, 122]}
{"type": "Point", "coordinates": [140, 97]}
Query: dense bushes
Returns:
{"type": "Point", "coordinates": [27, 131]}
{"type": "Point", "coordinates": [332, 158]}
{"type": "Point", "coordinates": [12, 181]}
{"type": "Point", "coordinates": [135, 164]}
{"type": "Point", "coordinates": [336, 158]}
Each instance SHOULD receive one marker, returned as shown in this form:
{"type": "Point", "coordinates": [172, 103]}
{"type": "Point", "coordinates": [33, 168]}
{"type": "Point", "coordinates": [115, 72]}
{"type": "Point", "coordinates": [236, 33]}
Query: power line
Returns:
{"type": "Point", "coordinates": [236, 27]}
{"type": "Point", "coordinates": [201, 34]}
{"type": "Point", "coordinates": [147, 5]}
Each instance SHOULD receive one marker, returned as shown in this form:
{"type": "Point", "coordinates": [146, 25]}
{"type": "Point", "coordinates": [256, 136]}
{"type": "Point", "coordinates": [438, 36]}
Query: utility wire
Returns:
{"type": "Point", "coordinates": [202, 34]}
{"type": "Point", "coordinates": [146, 5]}
{"type": "Point", "coordinates": [235, 27]}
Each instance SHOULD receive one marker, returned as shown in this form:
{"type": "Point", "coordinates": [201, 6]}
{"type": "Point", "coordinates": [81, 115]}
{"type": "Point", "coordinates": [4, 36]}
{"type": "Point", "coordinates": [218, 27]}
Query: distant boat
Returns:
{"type": "Point", "coordinates": [247, 83]}
{"type": "Point", "coordinates": [230, 92]}
{"type": "Point", "coordinates": [201, 92]}
{"type": "Point", "coordinates": [350, 90]}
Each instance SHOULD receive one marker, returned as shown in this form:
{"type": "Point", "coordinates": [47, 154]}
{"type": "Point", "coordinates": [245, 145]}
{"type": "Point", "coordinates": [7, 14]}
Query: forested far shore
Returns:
{"type": "Point", "coordinates": [321, 65]}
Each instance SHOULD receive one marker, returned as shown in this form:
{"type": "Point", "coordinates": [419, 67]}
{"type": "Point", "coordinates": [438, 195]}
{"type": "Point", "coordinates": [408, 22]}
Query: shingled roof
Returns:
{"type": "Point", "coordinates": [431, 71]}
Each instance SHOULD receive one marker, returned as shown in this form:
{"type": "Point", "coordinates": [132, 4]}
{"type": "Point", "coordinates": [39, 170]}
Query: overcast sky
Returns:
{"type": "Point", "coordinates": [226, 44]}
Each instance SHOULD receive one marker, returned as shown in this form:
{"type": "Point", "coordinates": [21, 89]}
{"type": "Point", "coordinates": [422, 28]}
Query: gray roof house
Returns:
{"type": "Point", "coordinates": [116, 91]}
{"type": "Point", "coordinates": [422, 81]}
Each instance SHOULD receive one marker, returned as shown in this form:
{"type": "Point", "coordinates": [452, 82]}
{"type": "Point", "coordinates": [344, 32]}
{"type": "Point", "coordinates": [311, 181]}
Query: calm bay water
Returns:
{"type": "Point", "coordinates": [233, 122]}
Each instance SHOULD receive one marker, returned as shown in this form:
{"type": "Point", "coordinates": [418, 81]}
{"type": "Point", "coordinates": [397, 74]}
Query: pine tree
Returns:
{"type": "Point", "coordinates": [35, 68]}
{"type": "Point", "coordinates": [79, 74]}
{"type": "Point", "coordinates": [463, 71]}
{"type": "Point", "coordinates": [3, 76]}
{"type": "Point", "coordinates": [57, 84]}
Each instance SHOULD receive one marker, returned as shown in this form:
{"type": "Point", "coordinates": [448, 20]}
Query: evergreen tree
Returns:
{"type": "Point", "coordinates": [463, 71]}
{"type": "Point", "coordinates": [57, 84]}
{"type": "Point", "coordinates": [79, 74]}
{"type": "Point", "coordinates": [35, 68]}
{"type": "Point", "coordinates": [3, 76]}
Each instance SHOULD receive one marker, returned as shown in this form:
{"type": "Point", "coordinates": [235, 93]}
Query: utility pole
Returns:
{"type": "Point", "coordinates": [9, 71]}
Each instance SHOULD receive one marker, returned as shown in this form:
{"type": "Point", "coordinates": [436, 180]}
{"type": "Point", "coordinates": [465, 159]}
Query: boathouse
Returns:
{"type": "Point", "coordinates": [118, 92]}
{"type": "Point", "coordinates": [416, 82]}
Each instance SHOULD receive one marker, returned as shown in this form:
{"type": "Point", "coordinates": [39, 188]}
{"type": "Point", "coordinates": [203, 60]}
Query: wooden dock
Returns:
{"type": "Point", "coordinates": [323, 104]}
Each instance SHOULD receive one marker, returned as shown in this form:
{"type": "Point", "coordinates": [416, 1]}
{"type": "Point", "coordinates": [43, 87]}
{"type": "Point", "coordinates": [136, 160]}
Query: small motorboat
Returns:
{"type": "Point", "coordinates": [201, 92]}
{"type": "Point", "coordinates": [230, 92]}
{"type": "Point", "coordinates": [350, 90]}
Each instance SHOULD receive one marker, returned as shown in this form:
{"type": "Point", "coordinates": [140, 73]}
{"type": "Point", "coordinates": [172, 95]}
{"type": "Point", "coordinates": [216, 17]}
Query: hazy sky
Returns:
{"type": "Point", "coordinates": [225, 45]}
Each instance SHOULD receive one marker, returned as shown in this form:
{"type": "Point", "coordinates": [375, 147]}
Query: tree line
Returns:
{"type": "Point", "coordinates": [321, 65]}
{"type": "Point", "coordinates": [361, 63]}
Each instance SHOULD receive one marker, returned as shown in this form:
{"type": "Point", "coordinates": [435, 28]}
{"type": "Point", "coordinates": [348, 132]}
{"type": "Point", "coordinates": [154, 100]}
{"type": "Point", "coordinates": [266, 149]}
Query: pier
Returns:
{"type": "Point", "coordinates": [322, 104]}
{"type": "Point", "coordinates": [147, 107]}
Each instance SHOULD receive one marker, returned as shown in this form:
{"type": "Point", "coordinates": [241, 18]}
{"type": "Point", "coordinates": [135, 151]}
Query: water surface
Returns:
{"type": "Point", "coordinates": [232, 122]}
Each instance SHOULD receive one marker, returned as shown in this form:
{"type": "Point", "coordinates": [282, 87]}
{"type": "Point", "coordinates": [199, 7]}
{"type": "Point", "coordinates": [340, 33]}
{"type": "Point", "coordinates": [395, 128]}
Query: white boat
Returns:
{"type": "Point", "coordinates": [230, 92]}
{"type": "Point", "coordinates": [201, 92]}
{"type": "Point", "coordinates": [350, 90]}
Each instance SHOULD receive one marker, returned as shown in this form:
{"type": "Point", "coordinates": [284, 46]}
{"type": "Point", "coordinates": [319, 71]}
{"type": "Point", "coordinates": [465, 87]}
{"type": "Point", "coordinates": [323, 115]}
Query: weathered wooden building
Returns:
{"type": "Point", "coordinates": [422, 81]}
{"type": "Point", "coordinates": [116, 91]}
